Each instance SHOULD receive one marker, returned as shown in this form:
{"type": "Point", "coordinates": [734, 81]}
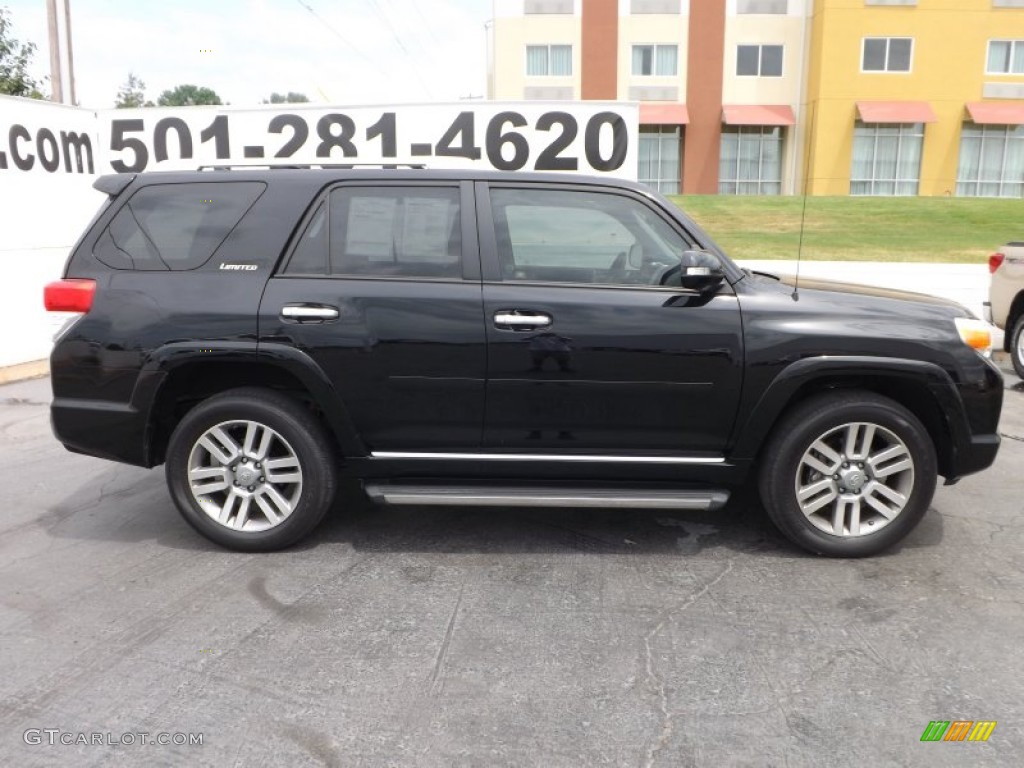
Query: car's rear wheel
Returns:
{"type": "Point", "coordinates": [848, 474]}
{"type": "Point", "coordinates": [251, 469]}
{"type": "Point", "coordinates": [1017, 346]}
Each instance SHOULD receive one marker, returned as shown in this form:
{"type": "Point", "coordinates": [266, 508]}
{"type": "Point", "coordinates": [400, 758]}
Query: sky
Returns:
{"type": "Point", "coordinates": [342, 52]}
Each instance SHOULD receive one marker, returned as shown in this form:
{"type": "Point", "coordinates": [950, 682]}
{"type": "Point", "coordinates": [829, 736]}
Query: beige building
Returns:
{"type": "Point", "coordinates": [718, 81]}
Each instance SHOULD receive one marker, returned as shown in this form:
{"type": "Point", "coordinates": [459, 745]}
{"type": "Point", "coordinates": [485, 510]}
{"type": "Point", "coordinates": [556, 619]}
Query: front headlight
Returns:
{"type": "Point", "coordinates": [976, 334]}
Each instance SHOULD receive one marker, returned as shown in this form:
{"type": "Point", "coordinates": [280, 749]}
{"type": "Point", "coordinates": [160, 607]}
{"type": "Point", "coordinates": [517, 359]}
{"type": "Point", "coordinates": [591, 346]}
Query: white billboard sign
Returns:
{"type": "Point", "coordinates": [588, 137]}
{"type": "Point", "coordinates": [48, 154]}
{"type": "Point", "coordinates": [583, 136]}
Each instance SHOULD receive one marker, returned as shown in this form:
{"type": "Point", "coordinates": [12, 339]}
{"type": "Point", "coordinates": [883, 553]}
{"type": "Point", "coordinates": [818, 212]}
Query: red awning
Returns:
{"type": "Point", "coordinates": [667, 113]}
{"type": "Point", "coordinates": [896, 112]}
{"type": "Point", "coordinates": [987, 113]}
{"type": "Point", "coordinates": [758, 114]}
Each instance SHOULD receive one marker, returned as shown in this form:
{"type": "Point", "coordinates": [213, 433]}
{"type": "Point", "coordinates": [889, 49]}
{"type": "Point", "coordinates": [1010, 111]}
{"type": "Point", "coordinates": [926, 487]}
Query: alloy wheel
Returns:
{"type": "Point", "coordinates": [854, 479]}
{"type": "Point", "coordinates": [245, 476]}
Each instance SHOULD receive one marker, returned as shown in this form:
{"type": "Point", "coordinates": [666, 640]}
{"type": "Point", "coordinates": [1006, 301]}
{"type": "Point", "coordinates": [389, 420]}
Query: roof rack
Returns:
{"type": "Point", "coordinates": [298, 166]}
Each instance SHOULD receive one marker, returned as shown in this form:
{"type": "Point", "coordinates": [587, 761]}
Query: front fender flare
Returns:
{"type": "Point", "coordinates": [755, 428]}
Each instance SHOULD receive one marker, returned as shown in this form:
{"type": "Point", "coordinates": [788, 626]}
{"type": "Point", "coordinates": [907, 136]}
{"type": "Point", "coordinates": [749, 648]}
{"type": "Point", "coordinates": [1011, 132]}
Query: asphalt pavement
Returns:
{"type": "Point", "coordinates": [494, 637]}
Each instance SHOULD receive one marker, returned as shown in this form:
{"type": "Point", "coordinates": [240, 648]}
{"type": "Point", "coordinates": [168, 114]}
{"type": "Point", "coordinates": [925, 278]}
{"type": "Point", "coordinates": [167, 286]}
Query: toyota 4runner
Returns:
{"type": "Point", "coordinates": [496, 339]}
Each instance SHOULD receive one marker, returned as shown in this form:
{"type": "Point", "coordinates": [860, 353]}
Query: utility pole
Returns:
{"type": "Point", "coordinates": [62, 66]}
{"type": "Point", "coordinates": [73, 99]}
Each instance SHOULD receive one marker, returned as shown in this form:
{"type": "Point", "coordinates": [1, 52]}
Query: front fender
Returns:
{"type": "Point", "coordinates": [932, 380]}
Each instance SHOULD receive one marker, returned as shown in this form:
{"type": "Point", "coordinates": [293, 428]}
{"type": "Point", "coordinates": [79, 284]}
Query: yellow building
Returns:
{"type": "Point", "coordinates": [916, 97]}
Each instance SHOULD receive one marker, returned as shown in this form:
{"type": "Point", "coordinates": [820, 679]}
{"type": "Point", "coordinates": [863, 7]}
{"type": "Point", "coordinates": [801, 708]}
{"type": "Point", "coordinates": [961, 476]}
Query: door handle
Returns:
{"type": "Point", "coordinates": [521, 320]}
{"type": "Point", "coordinates": [309, 313]}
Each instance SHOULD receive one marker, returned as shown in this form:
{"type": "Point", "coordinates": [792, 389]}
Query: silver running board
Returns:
{"type": "Point", "coordinates": [484, 496]}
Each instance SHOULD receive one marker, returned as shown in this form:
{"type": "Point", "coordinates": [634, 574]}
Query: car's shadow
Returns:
{"type": "Point", "coordinates": [124, 504]}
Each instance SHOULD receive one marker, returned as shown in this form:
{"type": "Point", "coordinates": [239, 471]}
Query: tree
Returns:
{"type": "Point", "coordinates": [188, 96]}
{"type": "Point", "coordinates": [15, 58]}
{"type": "Point", "coordinates": [132, 94]}
{"type": "Point", "coordinates": [289, 98]}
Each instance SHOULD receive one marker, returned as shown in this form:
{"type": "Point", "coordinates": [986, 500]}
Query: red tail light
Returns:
{"type": "Point", "coordinates": [70, 295]}
{"type": "Point", "coordinates": [994, 261]}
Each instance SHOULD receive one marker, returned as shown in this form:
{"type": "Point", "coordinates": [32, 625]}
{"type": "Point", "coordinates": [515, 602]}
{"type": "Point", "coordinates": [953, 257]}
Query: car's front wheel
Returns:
{"type": "Point", "coordinates": [251, 469]}
{"type": "Point", "coordinates": [848, 474]}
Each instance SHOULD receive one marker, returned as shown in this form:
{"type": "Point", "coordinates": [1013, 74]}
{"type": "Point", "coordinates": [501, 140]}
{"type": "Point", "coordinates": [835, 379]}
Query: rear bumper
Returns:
{"type": "Point", "coordinates": [114, 431]}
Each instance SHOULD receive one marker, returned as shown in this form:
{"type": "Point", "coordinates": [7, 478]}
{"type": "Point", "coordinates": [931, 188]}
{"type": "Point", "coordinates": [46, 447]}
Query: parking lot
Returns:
{"type": "Point", "coordinates": [495, 637]}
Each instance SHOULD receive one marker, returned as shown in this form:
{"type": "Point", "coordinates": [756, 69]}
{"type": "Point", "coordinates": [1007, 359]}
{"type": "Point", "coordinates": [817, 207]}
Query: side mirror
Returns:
{"type": "Point", "coordinates": [701, 271]}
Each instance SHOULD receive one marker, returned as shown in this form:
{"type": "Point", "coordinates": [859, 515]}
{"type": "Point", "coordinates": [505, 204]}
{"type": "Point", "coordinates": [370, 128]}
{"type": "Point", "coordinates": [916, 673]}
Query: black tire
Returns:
{"type": "Point", "coordinates": [300, 437]}
{"type": "Point", "coordinates": [1017, 346]}
{"type": "Point", "coordinates": [783, 467]}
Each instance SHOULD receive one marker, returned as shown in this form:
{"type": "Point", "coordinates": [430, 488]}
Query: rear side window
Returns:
{"type": "Point", "coordinates": [175, 226]}
{"type": "Point", "coordinates": [396, 232]}
{"type": "Point", "coordinates": [310, 256]}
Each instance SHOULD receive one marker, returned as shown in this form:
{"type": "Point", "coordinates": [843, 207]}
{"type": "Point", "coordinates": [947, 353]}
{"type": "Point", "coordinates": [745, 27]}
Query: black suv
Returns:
{"type": "Point", "coordinates": [495, 339]}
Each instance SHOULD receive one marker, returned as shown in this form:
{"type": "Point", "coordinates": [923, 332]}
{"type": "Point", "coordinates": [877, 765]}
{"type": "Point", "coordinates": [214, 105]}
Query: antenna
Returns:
{"type": "Point", "coordinates": [803, 211]}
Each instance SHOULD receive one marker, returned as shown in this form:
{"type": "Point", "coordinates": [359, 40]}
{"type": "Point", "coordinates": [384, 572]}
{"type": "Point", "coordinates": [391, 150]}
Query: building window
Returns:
{"type": "Point", "coordinates": [991, 161]}
{"type": "Point", "coordinates": [887, 54]}
{"type": "Point", "coordinates": [1005, 57]}
{"type": "Point", "coordinates": [759, 60]}
{"type": "Point", "coordinates": [549, 60]}
{"type": "Point", "coordinates": [547, 6]}
{"type": "Point", "coordinates": [751, 160]}
{"type": "Point", "coordinates": [659, 158]}
{"type": "Point", "coordinates": [660, 60]}
{"type": "Point", "coordinates": [637, 7]}
{"type": "Point", "coordinates": [762, 6]}
{"type": "Point", "coordinates": [886, 158]}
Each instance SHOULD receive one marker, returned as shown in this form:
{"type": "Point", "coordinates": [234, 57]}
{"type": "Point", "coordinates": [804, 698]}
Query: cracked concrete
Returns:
{"type": "Point", "coordinates": [657, 683]}
{"type": "Point", "coordinates": [497, 637]}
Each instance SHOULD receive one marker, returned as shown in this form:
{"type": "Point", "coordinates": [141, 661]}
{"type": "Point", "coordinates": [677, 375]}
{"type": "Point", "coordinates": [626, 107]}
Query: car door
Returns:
{"type": "Point", "coordinates": [588, 353]}
{"type": "Point", "coordinates": [382, 291]}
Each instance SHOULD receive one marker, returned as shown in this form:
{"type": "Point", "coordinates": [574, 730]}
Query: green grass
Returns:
{"type": "Point", "coordinates": [964, 230]}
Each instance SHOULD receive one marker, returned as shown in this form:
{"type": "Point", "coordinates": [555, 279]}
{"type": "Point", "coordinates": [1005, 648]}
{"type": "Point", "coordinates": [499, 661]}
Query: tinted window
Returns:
{"type": "Point", "coordinates": [578, 237]}
{"type": "Point", "coordinates": [310, 255]}
{"type": "Point", "coordinates": [899, 55]}
{"type": "Point", "coordinates": [174, 226]}
{"type": "Point", "coordinates": [771, 61]}
{"type": "Point", "coordinates": [747, 60]}
{"type": "Point", "coordinates": [887, 54]}
{"type": "Point", "coordinates": [874, 55]}
{"type": "Point", "coordinates": [763, 60]}
{"type": "Point", "coordinates": [396, 232]}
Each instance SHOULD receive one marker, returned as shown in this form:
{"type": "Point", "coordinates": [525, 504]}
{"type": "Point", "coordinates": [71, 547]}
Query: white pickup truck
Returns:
{"type": "Point", "coordinates": [1005, 307]}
